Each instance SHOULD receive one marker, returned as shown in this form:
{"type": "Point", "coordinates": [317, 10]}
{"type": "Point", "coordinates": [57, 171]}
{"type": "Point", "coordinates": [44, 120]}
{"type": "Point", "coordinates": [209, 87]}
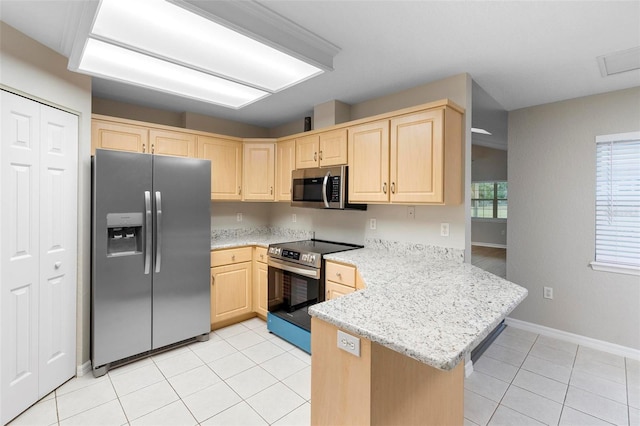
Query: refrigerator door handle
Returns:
{"type": "Point", "coordinates": [158, 230]}
{"type": "Point", "coordinates": [147, 232]}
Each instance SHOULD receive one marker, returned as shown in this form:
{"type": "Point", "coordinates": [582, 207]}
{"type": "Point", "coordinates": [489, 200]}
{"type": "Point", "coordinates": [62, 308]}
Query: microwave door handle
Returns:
{"type": "Point", "coordinates": [324, 189]}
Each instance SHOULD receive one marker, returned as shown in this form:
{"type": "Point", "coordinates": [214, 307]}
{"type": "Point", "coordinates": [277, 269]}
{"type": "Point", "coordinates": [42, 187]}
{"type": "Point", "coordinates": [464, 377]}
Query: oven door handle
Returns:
{"type": "Point", "coordinates": [311, 273]}
{"type": "Point", "coordinates": [324, 189]}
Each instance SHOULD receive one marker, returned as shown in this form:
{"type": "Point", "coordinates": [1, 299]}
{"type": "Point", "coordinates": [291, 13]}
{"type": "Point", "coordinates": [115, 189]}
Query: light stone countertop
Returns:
{"type": "Point", "coordinates": [429, 308]}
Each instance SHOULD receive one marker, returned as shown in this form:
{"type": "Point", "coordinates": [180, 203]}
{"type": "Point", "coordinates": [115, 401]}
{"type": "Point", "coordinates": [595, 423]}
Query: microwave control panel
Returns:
{"type": "Point", "coordinates": [335, 189]}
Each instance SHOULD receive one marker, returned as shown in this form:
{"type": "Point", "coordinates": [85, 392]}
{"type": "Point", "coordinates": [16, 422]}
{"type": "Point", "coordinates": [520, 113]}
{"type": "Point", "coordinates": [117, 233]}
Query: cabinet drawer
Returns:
{"type": "Point", "coordinates": [341, 274]}
{"type": "Point", "coordinates": [228, 256]}
{"type": "Point", "coordinates": [261, 254]}
{"type": "Point", "coordinates": [334, 290]}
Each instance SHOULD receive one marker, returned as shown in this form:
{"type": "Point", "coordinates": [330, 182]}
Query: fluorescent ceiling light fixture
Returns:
{"type": "Point", "coordinates": [116, 63]}
{"type": "Point", "coordinates": [204, 56]}
{"type": "Point", "coordinates": [617, 62]}
{"type": "Point", "coordinates": [479, 131]}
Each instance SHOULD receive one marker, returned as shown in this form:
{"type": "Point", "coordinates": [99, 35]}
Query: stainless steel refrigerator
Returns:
{"type": "Point", "coordinates": [150, 254]}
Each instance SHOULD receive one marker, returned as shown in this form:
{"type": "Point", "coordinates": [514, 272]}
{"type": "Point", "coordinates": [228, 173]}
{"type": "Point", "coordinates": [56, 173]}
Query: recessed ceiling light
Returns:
{"type": "Point", "coordinates": [621, 61]}
{"type": "Point", "coordinates": [480, 131]}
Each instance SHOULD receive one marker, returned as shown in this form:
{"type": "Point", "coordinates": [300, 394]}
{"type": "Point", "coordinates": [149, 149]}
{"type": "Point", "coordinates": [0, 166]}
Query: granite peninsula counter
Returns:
{"type": "Point", "coordinates": [434, 311]}
{"type": "Point", "coordinates": [418, 316]}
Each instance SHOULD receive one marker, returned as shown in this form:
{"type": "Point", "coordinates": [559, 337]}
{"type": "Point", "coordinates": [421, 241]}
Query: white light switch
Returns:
{"type": "Point", "coordinates": [349, 343]}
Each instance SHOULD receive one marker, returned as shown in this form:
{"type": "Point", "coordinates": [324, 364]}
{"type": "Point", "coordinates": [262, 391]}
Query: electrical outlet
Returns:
{"type": "Point", "coordinates": [294, 218]}
{"type": "Point", "coordinates": [548, 293]}
{"type": "Point", "coordinates": [372, 224]}
{"type": "Point", "coordinates": [411, 212]}
{"type": "Point", "coordinates": [349, 343]}
{"type": "Point", "coordinates": [444, 229]}
{"type": "Point", "coordinates": [239, 217]}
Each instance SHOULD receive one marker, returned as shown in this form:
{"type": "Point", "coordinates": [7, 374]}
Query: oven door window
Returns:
{"type": "Point", "coordinates": [290, 292]}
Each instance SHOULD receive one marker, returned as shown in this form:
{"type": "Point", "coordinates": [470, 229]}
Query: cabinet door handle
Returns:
{"type": "Point", "coordinates": [384, 187]}
{"type": "Point", "coordinates": [153, 148]}
{"type": "Point", "coordinates": [338, 274]}
{"type": "Point", "coordinates": [315, 156]}
{"type": "Point", "coordinates": [233, 257]}
{"type": "Point", "coordinates": [213, 280]}
{"type": "Point", "coordinates": [393, 187]}
{"type": "Point", "coordinates": [239, 191]}
{"type": "Point", "coordinates": [272, 190]}
{"type": "Point", "coordinates": [144, 148]}
{"type": "Point", "coordinates": [320, 155]}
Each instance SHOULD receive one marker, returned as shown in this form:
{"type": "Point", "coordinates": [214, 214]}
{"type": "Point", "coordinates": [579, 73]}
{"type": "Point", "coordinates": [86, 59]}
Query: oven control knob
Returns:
{"type": "Point", "coordinates": [305, 257]}
{"type": "Point", "coordinates": [312, 258]}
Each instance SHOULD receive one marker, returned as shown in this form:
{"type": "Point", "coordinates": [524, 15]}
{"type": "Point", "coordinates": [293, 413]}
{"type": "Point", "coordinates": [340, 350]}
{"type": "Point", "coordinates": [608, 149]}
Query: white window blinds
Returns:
{"type": "Point", "coordinates": [618, 200]}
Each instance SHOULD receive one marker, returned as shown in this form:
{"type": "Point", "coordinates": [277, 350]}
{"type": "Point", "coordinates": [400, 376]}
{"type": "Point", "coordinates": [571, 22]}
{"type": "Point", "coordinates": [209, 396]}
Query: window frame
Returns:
{"type": "Point", "coordinates": [495, 200]}
{"type": "Point", "coordinates": [603, 265]}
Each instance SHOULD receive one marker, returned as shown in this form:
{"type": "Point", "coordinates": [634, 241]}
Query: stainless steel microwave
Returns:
{"type": "Point", "coordinates": [322, 188]}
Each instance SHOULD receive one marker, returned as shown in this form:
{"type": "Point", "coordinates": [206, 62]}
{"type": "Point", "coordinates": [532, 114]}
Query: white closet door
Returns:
{"type": "Point", "coordinates": [19, 263]}
{"type": "Point", "coordinates": [58, 241]}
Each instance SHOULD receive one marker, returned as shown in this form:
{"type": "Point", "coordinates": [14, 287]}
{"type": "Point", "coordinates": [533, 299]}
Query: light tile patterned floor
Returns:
{"type": "Point", "coordinates": [245, 376]}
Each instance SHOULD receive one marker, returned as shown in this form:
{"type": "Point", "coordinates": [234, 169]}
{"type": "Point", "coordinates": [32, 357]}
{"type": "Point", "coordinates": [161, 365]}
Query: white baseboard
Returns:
{"type": "Point", "coordinates": [600, 345]}
{"type": "Point", "coordinates": [83, 369]}
{"type": "Point", "coordinates": [468, 368]}
{"type": "Point", "coordinates": [492, 245]}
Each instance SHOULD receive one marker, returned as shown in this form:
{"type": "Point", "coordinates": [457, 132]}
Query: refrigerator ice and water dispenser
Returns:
{"type": "Point", "coordinates": [124, 234]}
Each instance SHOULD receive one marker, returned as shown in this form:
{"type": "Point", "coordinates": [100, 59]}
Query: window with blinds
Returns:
{"type": "Point", "coordinates": [618, 203]}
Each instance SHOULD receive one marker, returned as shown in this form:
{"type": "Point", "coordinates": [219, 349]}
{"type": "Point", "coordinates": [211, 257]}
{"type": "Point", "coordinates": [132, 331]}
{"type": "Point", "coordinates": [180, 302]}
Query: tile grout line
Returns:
{"type": "Point", "coordinates": [119, 401]}
{"type": "Point", "coordinates": [511, 384]}
{"type": "Point", "coordinates": [564, 400]}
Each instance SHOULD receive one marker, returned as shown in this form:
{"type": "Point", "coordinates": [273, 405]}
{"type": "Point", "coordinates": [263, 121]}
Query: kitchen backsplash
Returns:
{"type": "Point", "coordinates": [415, 249]}
{"type": "Point", "coordinates": [294, 234]}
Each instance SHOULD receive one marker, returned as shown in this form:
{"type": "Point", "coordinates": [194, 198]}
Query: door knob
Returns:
{"type": "Point", "coordinates": [57, 265]}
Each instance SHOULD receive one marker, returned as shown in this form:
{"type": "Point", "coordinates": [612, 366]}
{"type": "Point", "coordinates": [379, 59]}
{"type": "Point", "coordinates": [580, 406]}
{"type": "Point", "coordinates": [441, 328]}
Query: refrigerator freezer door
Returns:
{"type": "Point", "coordinates": [181, 283]}
{"type": "Point", "coordinates": [121, 291]}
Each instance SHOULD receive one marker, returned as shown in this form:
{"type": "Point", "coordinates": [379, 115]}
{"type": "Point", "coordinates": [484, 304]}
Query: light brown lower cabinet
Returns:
{"type": "Point", "coordinates": [341, 279]}
{"type": "Point", "coordinates": [379, 387]}
{"type": "Point", "coordinates": [260, 282]}
{"type": "Point", "coordinates": [231, 286]}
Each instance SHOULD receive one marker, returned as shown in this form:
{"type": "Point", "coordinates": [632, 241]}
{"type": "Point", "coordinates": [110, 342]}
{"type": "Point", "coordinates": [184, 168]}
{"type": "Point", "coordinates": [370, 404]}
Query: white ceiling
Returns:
{"type": "Point", "coordinates": [520, 53]}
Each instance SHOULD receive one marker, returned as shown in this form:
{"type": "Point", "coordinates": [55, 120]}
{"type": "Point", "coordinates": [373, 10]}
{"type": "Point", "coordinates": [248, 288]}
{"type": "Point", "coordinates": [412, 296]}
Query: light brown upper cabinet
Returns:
{"type": "Point", "coordinates": [369, 162]}
{"type": "Point", "coordinates": [167, 142]}
{"type": "Point", "coordinates": [285, 164]}
{"type": "Point", "coordinates": [409, 159]}
{"type": "Point", "coordinates": [226, 166]}
{"type": "Point", "coordinates": [118, 136]}
{"type": "Point", "coordinates": [322, 149]}
{"type": "Point", "coordinates": [259, 171]}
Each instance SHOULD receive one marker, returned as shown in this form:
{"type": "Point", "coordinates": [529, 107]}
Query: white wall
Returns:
{"type": "Point", "coordinates": [35, 71]}
{"type": "Point", "coordinates": [552, 214]}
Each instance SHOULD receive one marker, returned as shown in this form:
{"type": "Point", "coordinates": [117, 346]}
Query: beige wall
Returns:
{"type": "Point", "coordinates": [488, 164]}
{"type": "Point", "coordinates": [187, 120]}
{"type": "Point", "coordinates": [33, 70]}
{"type": "Point", "coordinates": [552, 217]}
{"type": "Point", "coordinates": [290, 128]}
{"type": "Point", "coordinates": [136, 112]}
{"type": "Point", "coordinates": [205, 123]}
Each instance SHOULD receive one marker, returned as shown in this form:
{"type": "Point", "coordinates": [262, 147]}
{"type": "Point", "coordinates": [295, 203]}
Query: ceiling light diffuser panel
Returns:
{"type": "Point", "coordinates": [162, 46]}
{"type": "Point", "coordinates": [112, 62]}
